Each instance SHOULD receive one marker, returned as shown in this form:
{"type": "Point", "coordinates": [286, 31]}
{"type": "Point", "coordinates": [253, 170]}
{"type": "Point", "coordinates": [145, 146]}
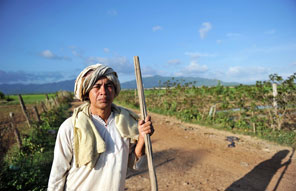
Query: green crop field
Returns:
{"type": "Point", "coordinates": [246, 109]}
{"type": "Point", "coordinates": [28, 98]}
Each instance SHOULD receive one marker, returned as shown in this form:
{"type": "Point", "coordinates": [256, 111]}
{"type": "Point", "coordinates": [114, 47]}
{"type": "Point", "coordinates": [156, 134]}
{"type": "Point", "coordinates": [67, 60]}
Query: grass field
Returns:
{"type": "Point", "coordinates": [28, 98]}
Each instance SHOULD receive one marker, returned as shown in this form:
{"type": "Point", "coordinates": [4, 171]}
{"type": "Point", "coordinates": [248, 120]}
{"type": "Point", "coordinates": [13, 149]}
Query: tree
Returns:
{"type": "Point", "coordinates": [2, 96]}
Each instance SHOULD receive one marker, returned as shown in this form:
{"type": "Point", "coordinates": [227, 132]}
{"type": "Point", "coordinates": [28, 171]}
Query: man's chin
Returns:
{"type": "Point", "coordinates": [104, 106]}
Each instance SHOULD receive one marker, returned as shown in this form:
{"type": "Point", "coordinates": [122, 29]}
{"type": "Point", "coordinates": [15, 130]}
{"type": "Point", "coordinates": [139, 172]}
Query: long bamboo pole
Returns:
{"type": "Point", "coordinates": [148, 145]}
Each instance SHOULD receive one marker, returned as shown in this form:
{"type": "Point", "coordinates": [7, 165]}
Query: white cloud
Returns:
{"type": "Point", "coordinates": [156, 28]}
{"type": "Point", "coordinates": [206, 27]}
{"type": "Point", "coordinates": [148, 71]}
{"type": "Point", "coordinates": [239, 71]}
{"type": "Point", "coordinates": [174, 62]}
{"type": "Point", "coordinates": [112, 12]}
{"type": "Point", "coordinates": [106, 50]}
{"type": "Point", "coordinates": [272, 49]}
{"type": "Point", "coordinates": [196, 55]}
{"type": "Point", "coordinates": [10, 77]}
{"type": "Point", "coordinates": [247, 74]}
{"type": "Point", "coordinates": [119, 63]}
{"type": "Point", "coordinates": [47, 54]}
{"type": "Point", "coordinates": [193, 69]}
{"type": "Point", "coordinates": [50, 55]}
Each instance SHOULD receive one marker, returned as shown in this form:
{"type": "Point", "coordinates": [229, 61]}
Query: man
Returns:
{"type": "Point", "coordinates": [100, 141]}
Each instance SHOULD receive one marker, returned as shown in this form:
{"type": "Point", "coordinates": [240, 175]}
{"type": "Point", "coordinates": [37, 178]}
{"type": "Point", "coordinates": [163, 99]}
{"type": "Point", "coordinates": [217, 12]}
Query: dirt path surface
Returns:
{"type": "Point", "coordinates": [191, 157]}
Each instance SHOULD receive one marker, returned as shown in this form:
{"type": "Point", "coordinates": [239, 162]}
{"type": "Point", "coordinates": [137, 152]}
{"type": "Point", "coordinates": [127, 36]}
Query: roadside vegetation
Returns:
{"type": "Point", "coordinates": [27, 166]}
{"type": "Point", "coordinates": [255, 110]}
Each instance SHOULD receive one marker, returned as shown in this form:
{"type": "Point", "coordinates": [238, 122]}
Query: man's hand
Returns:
{"type": "Point", "coordinates": [144, 127]}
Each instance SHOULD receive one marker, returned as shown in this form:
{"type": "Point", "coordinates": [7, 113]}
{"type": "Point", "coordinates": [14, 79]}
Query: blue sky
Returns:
{"type": "Point", "coordinates": [230, 40]}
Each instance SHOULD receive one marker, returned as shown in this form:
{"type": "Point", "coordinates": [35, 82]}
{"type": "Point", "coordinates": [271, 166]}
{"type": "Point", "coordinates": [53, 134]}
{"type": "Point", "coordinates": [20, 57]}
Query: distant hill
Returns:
{"type": "Point", "coordinates": [156, 81]}
{"type": "Point", "coordinates": [68, 85]}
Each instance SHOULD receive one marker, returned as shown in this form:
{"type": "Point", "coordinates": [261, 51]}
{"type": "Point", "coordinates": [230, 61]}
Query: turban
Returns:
{"type": "Point", "coordinates": [88, 78]}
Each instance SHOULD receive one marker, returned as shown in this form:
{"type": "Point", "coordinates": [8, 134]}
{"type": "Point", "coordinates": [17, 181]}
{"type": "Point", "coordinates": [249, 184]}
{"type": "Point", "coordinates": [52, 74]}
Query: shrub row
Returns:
{"type": "Point", "coordinates": [28, 168]}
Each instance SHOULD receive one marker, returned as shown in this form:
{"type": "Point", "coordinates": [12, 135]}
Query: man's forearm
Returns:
{"type": "Point", "coordinates": [140, 147]}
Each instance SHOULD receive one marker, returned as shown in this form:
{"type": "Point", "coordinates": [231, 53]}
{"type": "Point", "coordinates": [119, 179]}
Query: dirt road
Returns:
{"type": "Point", "coordinates": [191, 157]}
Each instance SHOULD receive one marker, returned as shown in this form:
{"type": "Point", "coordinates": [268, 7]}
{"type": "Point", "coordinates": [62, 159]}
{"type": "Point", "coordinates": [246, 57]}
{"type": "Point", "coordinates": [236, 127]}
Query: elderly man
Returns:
{"type": "Point", "coordinates": [96, 145]}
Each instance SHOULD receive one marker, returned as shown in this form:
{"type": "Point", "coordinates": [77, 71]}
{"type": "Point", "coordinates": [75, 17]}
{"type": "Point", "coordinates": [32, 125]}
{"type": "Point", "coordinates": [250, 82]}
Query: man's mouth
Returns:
{"type": "Point", "coordinates": [103, 100]}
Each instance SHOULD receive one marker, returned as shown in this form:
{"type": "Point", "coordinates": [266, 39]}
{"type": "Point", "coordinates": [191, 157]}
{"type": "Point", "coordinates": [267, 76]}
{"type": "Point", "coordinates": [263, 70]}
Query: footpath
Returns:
{"type": "Point", "coordinates": [192, 157]}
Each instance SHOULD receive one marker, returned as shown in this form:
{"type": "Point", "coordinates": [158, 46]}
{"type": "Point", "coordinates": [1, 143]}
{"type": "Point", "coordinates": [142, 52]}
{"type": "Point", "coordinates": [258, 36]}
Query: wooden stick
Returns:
{"type": "Point", "coordinates": [15, 130]}
{"type": "Point", "coordinates": [37, 114]}
{"type": "Point", "coordinates": [23, 106]}
{"type": "Point", "coordinates": [148, 145]}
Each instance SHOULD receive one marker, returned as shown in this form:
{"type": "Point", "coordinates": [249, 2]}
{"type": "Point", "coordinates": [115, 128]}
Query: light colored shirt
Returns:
{"type": "Point", "coordinates": [110, 170]}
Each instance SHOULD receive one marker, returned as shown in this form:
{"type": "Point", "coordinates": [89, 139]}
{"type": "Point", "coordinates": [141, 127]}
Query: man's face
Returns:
{"type": "Point", "coordinates": [102, 94]}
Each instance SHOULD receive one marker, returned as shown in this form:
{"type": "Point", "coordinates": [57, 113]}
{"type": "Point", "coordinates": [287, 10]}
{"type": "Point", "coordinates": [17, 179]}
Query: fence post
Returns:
{"type": "Point", "coordinates": [274, 93]}
{"type": "Point", "coordinates": [43, 107]}
{"type": "Point", "coordinates": [253, 123]}
{"type": "Point", "coordinates": [46, 95]}
{"type": "Point", "coordinates": [23, 106]}
{"type": "Point", "coordinates": [56, 100]}
{"type": "Point", "coordinates": [274, 103]}
{"type": "Point", "coordinates": [15, 130]}
{"type": "Point", "coordinates": [37, 114]}
{"type": "Point", "coordinates": [212, 111]}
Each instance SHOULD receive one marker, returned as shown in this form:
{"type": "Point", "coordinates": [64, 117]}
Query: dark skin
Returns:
{"type": "Point", "coordinates": [101, 97]}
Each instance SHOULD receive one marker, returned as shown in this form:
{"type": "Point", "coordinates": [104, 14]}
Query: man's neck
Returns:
{"type": "Point", "coordinates": [102, 113]}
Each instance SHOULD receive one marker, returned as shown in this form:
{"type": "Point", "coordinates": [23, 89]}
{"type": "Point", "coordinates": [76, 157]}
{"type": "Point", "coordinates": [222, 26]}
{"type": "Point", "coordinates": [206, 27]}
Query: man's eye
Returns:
{"type": "Point", "coordinates": [97, 86]}
{"type": "Point", "coordinates": [109, 86]}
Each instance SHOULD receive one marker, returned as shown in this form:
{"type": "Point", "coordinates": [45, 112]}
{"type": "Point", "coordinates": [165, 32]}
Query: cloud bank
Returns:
{"type": "Point", "coordinates": [119, 63]}
{"type": "Point", "coordinates": [7, 77]}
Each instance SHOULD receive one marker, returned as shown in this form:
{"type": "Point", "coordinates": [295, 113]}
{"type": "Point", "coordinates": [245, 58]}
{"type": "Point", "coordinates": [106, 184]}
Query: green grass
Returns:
{"type": "Point", "coordinates": [28, 98]}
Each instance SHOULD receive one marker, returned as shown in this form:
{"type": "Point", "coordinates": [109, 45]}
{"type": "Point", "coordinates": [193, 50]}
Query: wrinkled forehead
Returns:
{"type": "Point", "coordinates": [104, 80]}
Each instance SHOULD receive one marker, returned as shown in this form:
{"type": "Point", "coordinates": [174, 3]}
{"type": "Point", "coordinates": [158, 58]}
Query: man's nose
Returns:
{"type": "Point", "coordinates": [103, 89]}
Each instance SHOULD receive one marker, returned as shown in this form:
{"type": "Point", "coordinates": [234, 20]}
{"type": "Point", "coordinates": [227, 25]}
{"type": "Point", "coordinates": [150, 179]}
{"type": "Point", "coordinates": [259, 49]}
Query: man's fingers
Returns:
{"type": "Point", "coordinates": [146, 127]}
{"type": "Point", "coordinates": [148, 118]}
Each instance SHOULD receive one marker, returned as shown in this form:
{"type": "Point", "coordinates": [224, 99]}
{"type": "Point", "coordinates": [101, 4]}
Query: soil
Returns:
{"type": "Point", "coordinates": [193, 157]}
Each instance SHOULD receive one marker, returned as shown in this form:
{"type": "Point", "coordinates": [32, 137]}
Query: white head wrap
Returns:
{"type": "Point", "coordinates": [90, 75]}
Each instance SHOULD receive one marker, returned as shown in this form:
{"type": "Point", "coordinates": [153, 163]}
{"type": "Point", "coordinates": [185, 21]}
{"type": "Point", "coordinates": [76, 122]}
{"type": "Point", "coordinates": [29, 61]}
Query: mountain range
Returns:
{"type": "Point", "coordinates": [148, 82]}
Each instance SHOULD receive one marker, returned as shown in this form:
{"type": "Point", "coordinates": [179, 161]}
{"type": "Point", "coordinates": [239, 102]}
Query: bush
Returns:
{"type": "Point", "coordinates": [2, 96]}
{"type": "Point", "coordinates": [28, 168]}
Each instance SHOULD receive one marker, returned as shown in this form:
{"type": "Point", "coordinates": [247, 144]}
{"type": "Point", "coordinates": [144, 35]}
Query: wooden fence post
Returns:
{"type": "Point", "coordinates": [56, 100]}
{"type": "Point", "coordinates": [274, 93]}
{"type": "Point", "coordinates": [23, 106]}
{"type": "Point", "coordinates": [274, 104]}
{"type": "Point", "coordinates": [43, 107]}
{"type": "Point", "coordinates": [212, 111]}
{"type": "Point", "coordinates": [253, 124]}
{"type": "Point", "coordinates": [46, 96]}
{"type": "Point", "coordinates": [37, 114]}
{"type": "Point", "coordinates": [15, 130]}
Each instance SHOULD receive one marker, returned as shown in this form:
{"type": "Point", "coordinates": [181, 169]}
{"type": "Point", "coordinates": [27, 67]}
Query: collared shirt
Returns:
{"type": "Point", "coordinates": [110, 170]}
